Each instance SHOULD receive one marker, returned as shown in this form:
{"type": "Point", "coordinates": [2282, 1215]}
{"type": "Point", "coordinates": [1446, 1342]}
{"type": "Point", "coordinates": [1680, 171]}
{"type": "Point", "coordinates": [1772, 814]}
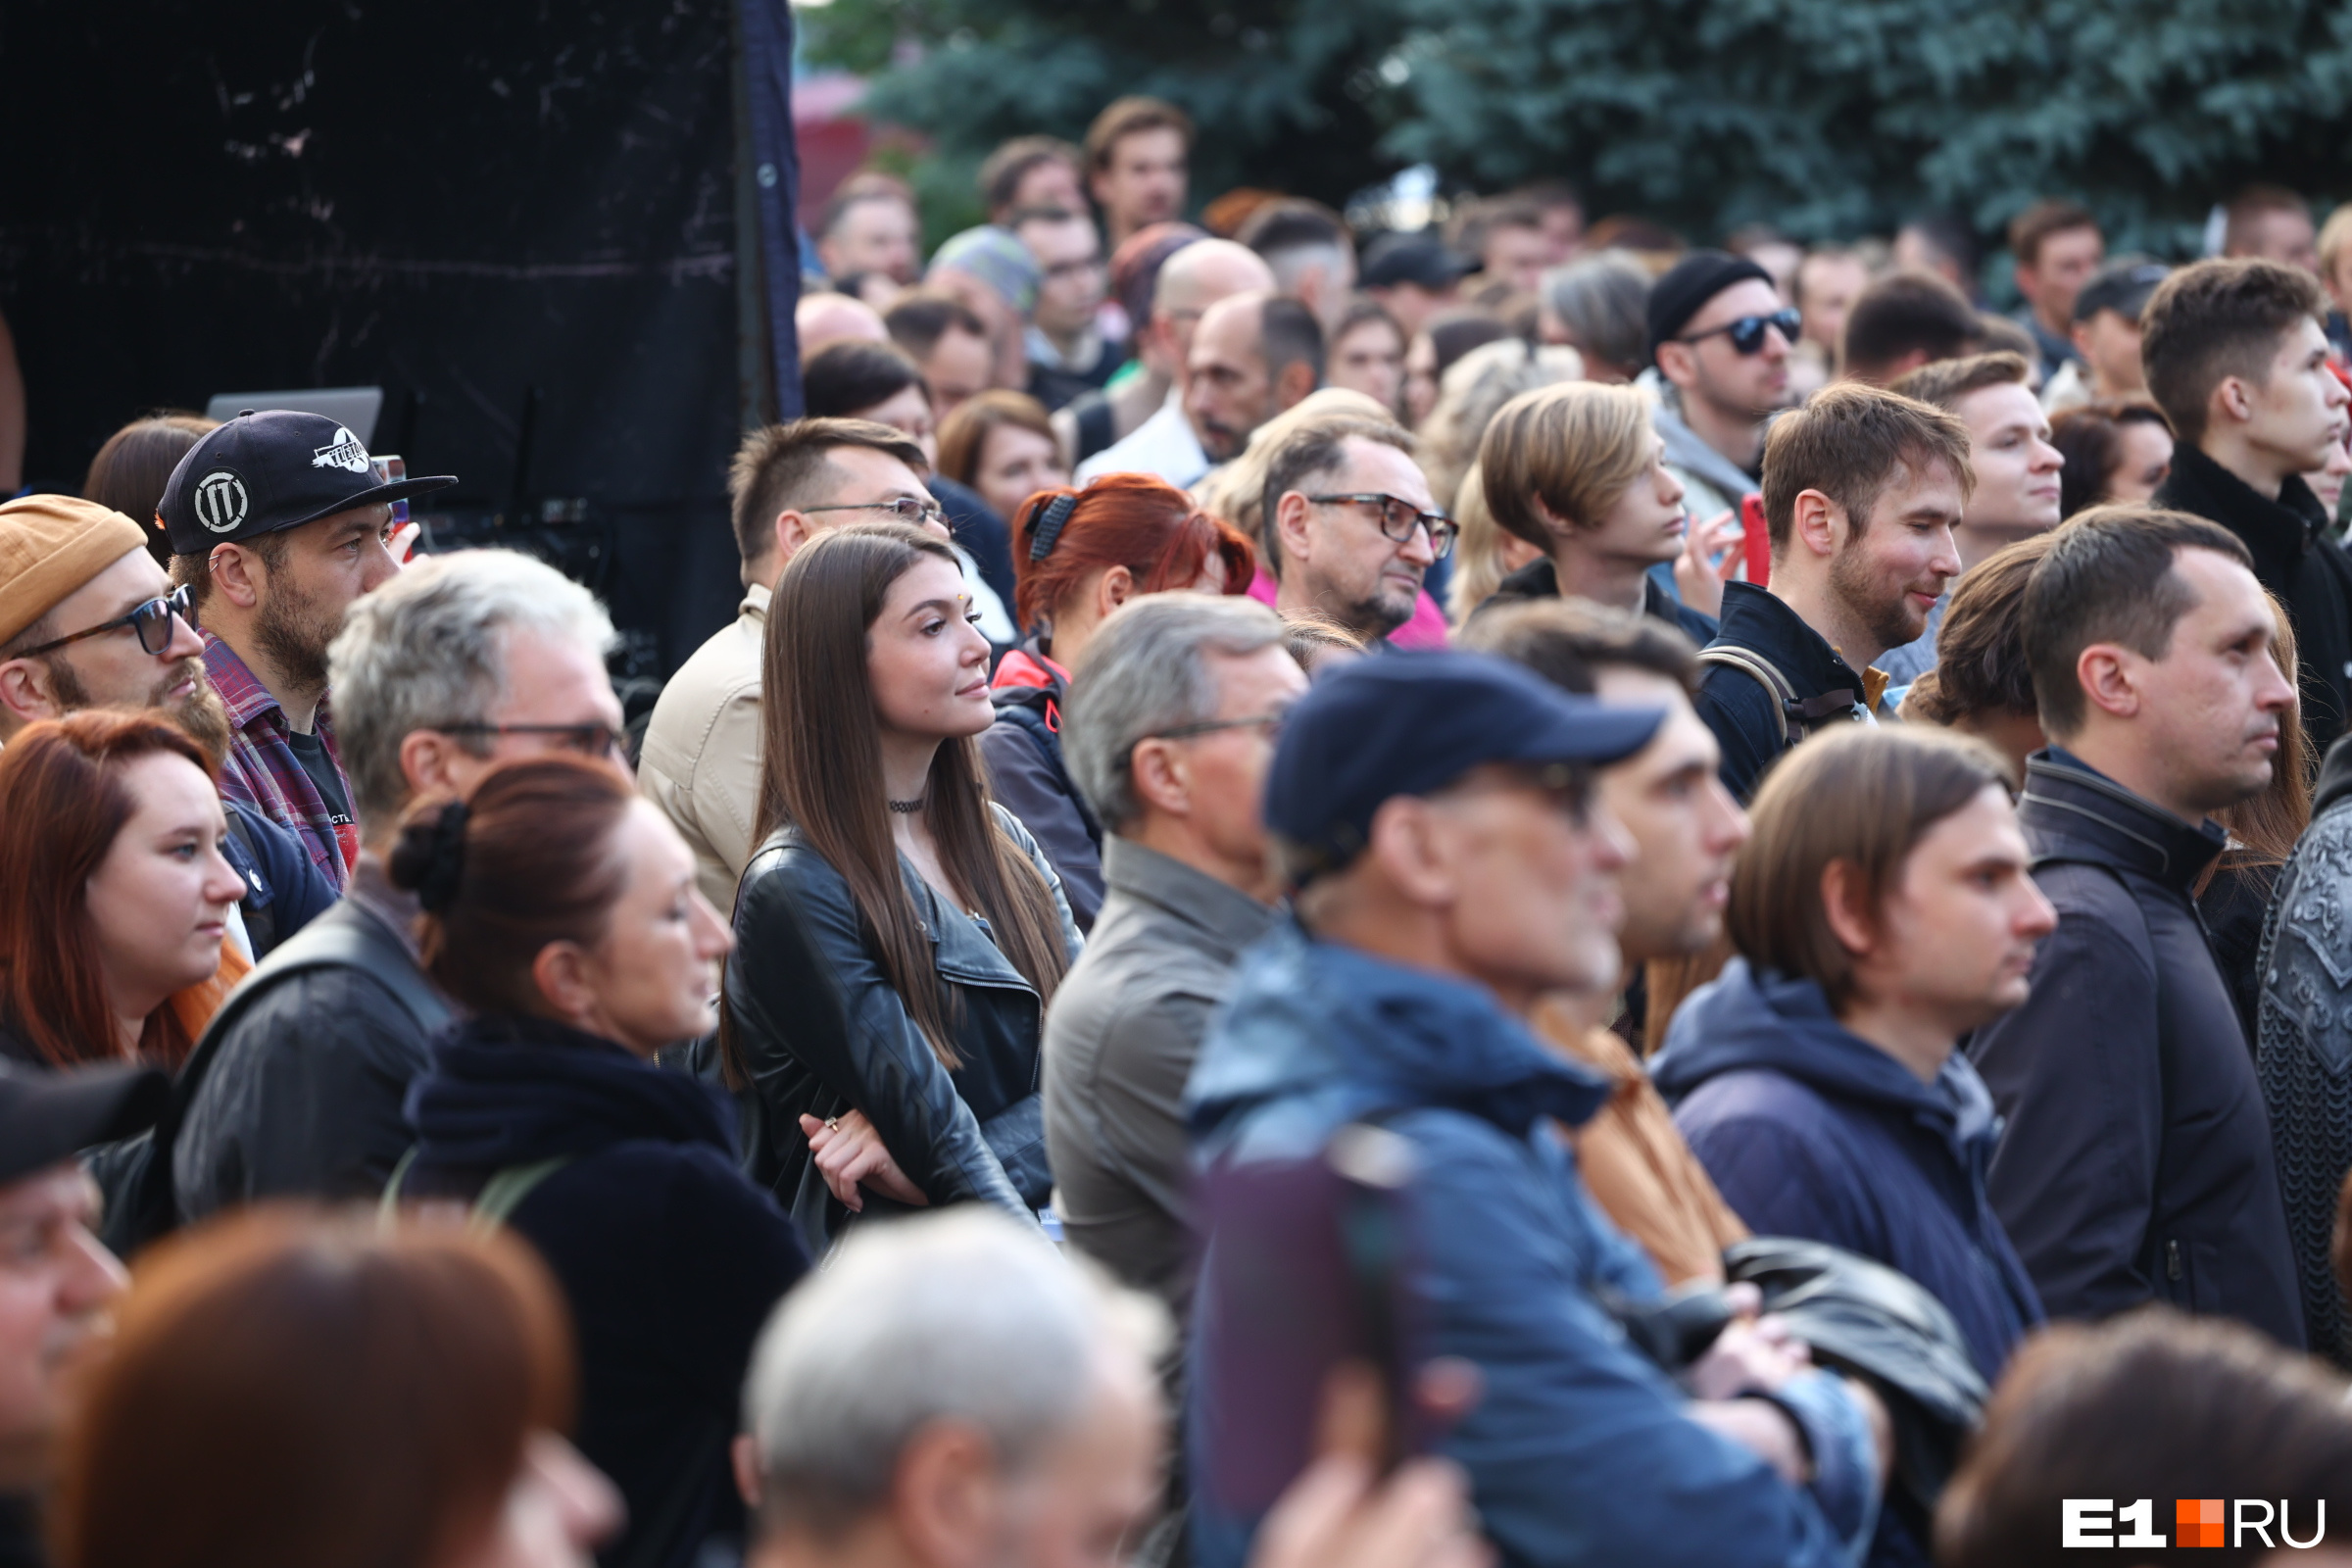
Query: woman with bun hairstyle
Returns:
{"type": "Point", "coordinates": [560, 915]}
{"type": "Point", "coordinates": [1077, 555]}
{"type": "Point", "coordinates": [897, 933]}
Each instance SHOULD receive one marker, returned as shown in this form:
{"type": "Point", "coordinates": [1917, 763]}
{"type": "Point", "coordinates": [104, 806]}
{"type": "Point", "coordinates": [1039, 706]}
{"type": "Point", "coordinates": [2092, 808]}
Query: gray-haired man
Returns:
{"type": "Point", "coordinates": [460, 662]}
{"type": "Point", "coordinates": [1169, 732]}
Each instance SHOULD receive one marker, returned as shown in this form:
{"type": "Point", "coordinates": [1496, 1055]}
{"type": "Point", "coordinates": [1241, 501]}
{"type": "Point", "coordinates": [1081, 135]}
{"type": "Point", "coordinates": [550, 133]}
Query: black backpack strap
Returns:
{"type": "Point", "coordinates": [1796, 717]}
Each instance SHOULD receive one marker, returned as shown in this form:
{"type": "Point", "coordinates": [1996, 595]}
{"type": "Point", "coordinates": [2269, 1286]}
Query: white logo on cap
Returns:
{"type": "Point", "coordinates": [345, 452]}
{"type": "Point", "coordinates": [220, 501]}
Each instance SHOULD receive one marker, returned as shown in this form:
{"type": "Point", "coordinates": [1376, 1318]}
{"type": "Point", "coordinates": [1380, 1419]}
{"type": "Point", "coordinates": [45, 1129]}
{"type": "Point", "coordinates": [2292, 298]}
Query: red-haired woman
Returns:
{"type": "Point", "coordinates": [1077, 555]}
{"type": "Point", "coordinates": [113, 894]}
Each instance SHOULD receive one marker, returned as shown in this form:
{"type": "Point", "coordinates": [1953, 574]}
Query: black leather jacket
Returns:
{"type": "Point", "coordinates": [814, 1019]}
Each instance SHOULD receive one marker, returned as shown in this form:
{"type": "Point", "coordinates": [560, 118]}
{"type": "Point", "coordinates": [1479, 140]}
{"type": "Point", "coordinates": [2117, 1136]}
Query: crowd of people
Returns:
{"type": "Point", "coordinates": [1514, 893]}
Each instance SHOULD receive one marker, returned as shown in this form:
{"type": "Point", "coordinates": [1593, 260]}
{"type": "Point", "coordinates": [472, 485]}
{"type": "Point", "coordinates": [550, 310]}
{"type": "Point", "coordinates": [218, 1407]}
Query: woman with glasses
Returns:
{"type": "Point", "coordinates": [114, 898]}
{"type": "Point", "coordinates": [1079, 555]}
{"type": "Point", "coordinates": [897, 933]}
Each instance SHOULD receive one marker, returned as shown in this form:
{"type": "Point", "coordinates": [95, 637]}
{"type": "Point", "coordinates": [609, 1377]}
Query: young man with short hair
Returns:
{"type": "Point", "coordinates": [2014, 490]}
{"type": "Point", "coordinates": [1030, 172]}
{"type": "Point", "coordinates": [2237, 359]}
{"type": "Point", "coordinates": [1350, 526]}
{"type": "Point", "coordinates": [1435, 816]}
{"type": "Point", "coordinates": [1135, 155]}
{"type": "Point", "coordinates": [2106, 337]}
{"type": "Point", "coordinates": [278, 523]}
{"type": "Point", "coordinates": [1414, 275]}
{"type": "Point", "coordinates": [789, 483]}
{"type": "Point", "coordinates": [1828, 283]}
{"type": "Point", "coordinates": [948, 342]}
{"type": "Point", "coordinates": [870, 226]}
{"type": "Point", "coordinates": [1252, 356]}
{"type": "Point", "coordinates": [1901, 321]}
{"type": "Point", "coordinates": [2270, 223]}
{"type": "Point", "coordinates": [1861, 490]}
{"type": "Point", "coordinates": [1719, 335]}
{"type": "Point", "coordinates": [1067, 352]}
{"type": "Point", "coordinates": [1511, 240]}
{"type": "Point", "coordinates": [2056, 246]}
{"type": "Point", "coordinates": [2136, 1163]}
{"type": "Point", "coordinates": [1312, 256]}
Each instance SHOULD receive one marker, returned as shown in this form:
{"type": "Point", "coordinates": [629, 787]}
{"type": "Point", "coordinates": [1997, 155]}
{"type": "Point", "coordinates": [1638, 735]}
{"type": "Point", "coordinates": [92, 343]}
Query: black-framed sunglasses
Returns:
{"type": "Point", "coordinates": [1399, 518]}
{"type": "Point", "coordinates": [589, 740]}
{"type": "Point", "coordinates": [152, 620]}
{"type": "Point", "coordinates": [905, 509]}
{"type": "Point", "coordinates": [1747, 332]}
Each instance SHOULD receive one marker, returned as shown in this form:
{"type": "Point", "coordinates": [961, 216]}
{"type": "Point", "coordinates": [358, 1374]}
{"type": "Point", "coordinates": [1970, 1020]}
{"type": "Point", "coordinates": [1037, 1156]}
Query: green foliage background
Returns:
{"type": "Point", "coordinates": [1828, 118]}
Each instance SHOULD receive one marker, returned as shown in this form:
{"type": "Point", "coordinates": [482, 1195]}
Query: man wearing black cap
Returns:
{"type": "Point", "coordinates": [1414, 275]}
{"type": "Point", "coordinates": [2107, 336]}
{"type": "Point", "coordinates": [277, 522]}
{"type": "Point", "coordinates": [1719, 335]}
{"type": "Point", "coordinates": [1451, 865]}
{"type": "Point", "coordinates": [57, 1280]}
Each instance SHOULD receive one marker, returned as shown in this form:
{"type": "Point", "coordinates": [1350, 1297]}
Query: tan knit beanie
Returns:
{"type": "Point", "coordinates": [50, 546]}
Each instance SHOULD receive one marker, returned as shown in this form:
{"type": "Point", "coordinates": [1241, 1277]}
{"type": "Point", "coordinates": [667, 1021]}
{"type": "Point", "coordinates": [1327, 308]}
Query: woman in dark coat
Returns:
{"type": "Point", "coordinates": [561, 913]}
{"type": "Point", "coordinates": [897, 933]}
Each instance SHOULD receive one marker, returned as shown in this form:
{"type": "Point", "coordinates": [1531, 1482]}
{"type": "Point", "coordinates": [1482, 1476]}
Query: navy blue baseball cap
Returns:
{"type": "Point", "coordinates": [47, 1117]}
{"type": "Point", "coordinates": [261, 472]}
{"type": "Point", "coordinates": [1411, 723]}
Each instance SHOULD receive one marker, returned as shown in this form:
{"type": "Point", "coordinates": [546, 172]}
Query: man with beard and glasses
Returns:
{"type": "Point", "coordinates": [1350, 526]}
{"type": "Point", "coordinates": [87, 619]}
{"type": "Point", "coordinates": [277, 522]}
{"type": "Point", "coordinates": [1861, 490]}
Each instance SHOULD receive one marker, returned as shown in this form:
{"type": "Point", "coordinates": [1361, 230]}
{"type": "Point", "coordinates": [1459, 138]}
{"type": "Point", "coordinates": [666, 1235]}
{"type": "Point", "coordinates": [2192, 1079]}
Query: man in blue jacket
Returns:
{"type": "Point", "coordinates": [1435, 814]}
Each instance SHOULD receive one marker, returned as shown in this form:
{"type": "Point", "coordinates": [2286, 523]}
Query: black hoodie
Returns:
{"type": "Point", "coordinates": [669, 1259]}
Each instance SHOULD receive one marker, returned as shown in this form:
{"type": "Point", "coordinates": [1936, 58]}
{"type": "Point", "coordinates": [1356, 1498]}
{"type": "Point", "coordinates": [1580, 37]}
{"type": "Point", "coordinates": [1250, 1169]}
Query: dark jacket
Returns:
{"type": "Point", "coordinates": [1578, 1450]}
{"type": "Point", "coordinates": [1735, 703]}
{"type": "Point", "coordinates": [670, 1260]}
{"type": "Point", "coordinates": [284, 889]}
{"type": "Point", "coordinates": [2309, 572]}
{"type": "Point", "coordinates": [2136, 1163]}
{"type": "Point", "coordinates": [1812, 1131]}
{"type": "Point", "coordinates": [819, 1030]}
{"type": "Point", "coordinates": [1541, 579]}
{"type": "Point", "coordinates": [302, 1095]}
{"type": "Point", "coordinates": [1027, 776]}
{"type": "Point", "coordinates": [2304, 1042]}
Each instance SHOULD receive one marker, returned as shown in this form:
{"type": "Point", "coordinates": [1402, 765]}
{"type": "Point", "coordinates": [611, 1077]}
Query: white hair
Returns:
{"type": "Point", "coordinates": [429, 648]}
{"type": "Point", "coordinates": [965, 1315]}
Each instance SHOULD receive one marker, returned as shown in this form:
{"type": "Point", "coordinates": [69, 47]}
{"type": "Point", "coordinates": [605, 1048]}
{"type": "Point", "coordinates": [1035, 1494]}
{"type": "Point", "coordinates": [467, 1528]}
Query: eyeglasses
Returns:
{"type": "Point", "coordinates": [1747, 332]}
{"type": "Point", "coordinates": [905, 509]}
{"type": "Point", "coordinates": [1399, 518]}
{"type": "Point", "coordinates": [1272, 723]}
{"type": "Point", "coordinates": [589, 740]}
{"type": "Point", "coordinates": [152, 620]}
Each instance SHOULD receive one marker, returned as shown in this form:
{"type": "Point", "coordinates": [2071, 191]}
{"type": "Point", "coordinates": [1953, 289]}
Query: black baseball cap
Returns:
{"type": "Point", "coordinates": [1421, 259]}
{"type": "Point", "coordinates": [2121, 286]}
{"type": "Point", "coordinates": [47, 1117]}
{"type": "Point", "coordinates": [279, 469]}
{"type": "Point", "coordinates": [1409, 723]}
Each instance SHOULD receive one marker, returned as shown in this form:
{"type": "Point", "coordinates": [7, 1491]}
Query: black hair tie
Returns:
{"type": "Point", "coordinates": [1045, 532]}
{"type": "Point", "coordinates": [437, 890]}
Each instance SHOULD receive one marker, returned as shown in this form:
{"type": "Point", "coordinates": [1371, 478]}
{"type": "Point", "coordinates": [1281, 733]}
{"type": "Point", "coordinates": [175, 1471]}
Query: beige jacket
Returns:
{"type": "Point", "coordinates": [701, 751]}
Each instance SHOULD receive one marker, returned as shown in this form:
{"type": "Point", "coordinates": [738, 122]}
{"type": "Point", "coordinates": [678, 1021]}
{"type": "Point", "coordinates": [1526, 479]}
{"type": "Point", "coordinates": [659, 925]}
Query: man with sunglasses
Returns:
{"type": "Point", "coordinates": [278, 523]}
{"type": "Point", "coordinates": [1350, 526]}
{"type": "Point", "coordinates": [87, 619]}
{"type": "Point", "coordinates": [1719, 335]}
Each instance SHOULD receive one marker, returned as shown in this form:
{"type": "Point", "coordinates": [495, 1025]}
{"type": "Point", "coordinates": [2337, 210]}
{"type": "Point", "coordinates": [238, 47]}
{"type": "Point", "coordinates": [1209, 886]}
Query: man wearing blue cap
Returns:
{"type": "Point", "coordinates": [277, 522]}
{"type": "Point", "coordinates": [1450, 865]}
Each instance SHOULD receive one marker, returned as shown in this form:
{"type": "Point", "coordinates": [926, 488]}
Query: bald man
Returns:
{"type": "Point", "coordinates": [1195, 279]}
{"type": "Point", "coordinates": [821, 320]}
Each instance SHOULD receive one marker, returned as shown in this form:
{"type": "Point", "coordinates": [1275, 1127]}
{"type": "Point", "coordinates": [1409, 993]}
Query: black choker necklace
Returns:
{"type": "Point", "coordinates": [907, 807]}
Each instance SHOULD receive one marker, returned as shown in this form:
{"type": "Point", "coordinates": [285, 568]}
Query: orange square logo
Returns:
{"type": "Point", "coordinates": [2198, 1522]}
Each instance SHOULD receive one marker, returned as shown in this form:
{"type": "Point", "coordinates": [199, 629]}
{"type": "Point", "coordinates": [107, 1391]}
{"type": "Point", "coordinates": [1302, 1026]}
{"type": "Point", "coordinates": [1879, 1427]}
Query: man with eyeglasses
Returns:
{"type": "Point", "coordinates": [87, 619]}
{"type": "Point", "coordinates": [1350, 526]}
{"type": "Point", "coordinates": [1067, 352]}
{"type": "Point", "coordinates": [1167, 732]}
{"type": "Point", "coordinates": [789, 483]}
{"type": "Point", "coordinates": [278, 523]}
{"type": "Point", "coordinates": [461, 663]}
{"type": "Point", "coordinates": [1719, 336]}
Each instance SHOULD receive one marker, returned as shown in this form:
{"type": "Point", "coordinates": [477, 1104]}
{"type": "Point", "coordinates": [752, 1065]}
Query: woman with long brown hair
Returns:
{"type": "Point", "coordinates": [1077, 555]}
{"type": "Point", "coordinates": [113, 894]}
{"type": "Point", "coordinates": [898, 934]}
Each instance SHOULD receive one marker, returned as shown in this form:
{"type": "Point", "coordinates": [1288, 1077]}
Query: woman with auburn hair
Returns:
{"type": "Point", "coordinates": [1001, 445]}
{"type": "Point", "coordinates": [897, 933]}
{"type": "Point", "coordinates": [1077, 555]}
{"type": "Point", "coordinates": [131, 468]}
{"type": "Point", "coordinates": [114, 899]}
{"type": "Point", "coordinates": [288, 1391]}
{"type": "Point", "coordinates": [560, 915]}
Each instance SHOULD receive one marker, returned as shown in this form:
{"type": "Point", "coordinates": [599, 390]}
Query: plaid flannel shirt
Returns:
{"type": "Point", "coordinates": [262, 771]}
